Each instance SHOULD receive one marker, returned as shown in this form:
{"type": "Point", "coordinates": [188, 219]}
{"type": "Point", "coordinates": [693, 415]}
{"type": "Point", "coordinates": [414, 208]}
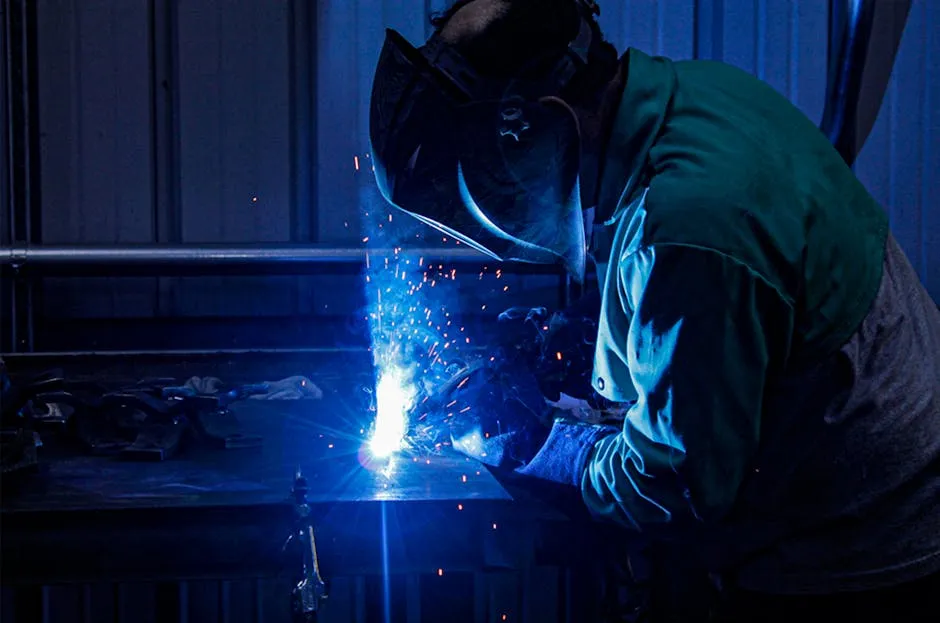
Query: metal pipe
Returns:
{"type": "Point", "coordinates": [280, 259]}
{"type": "Point", "coordinates": [176, 353]}
{"type": "Point", "coordinates": [168, 255]}
{"type": "Point", "coordinates": [364, 349]}
{"type": "Point", "coordinates": [864, 38]}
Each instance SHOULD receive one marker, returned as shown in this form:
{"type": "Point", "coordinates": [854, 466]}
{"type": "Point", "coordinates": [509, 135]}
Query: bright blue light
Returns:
{"type": "Point", "coordinates": [415, 339]}
{"type": "Point", "coordinates": [411, 329]}
{"type": "Point", "coordinates": [395, 393]}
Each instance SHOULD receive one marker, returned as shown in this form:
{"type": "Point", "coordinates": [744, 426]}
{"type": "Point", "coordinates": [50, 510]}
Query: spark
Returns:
{"type": "Point", "coordinates": [414, 338]}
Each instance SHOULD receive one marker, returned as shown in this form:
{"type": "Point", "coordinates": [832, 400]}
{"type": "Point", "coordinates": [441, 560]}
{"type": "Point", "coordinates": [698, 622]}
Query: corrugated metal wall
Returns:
{"type": "Point", "coordinates": [900, 164]}
{"type": "Point", "coordinates": [240, 121]}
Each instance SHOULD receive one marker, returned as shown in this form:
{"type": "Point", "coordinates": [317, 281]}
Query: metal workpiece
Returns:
{"type": "Point", "coordinates": [292, 434]}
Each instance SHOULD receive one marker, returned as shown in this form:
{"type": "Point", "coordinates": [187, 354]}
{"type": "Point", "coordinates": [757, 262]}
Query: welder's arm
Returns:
{"type": "Point", "coordinates": [698, 353]}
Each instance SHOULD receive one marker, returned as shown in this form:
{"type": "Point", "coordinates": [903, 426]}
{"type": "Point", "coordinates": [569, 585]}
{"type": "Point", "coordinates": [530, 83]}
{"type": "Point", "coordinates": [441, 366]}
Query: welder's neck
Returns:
{"type": "Point", "coordinates": [596, 124]}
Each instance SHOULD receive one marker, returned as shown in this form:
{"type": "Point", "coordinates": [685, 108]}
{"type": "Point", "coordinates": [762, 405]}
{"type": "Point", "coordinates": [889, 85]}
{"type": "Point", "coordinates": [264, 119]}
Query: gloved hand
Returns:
{"type": "Point", "coordinates": [491, 412]}
{"type": "Point", "coordinates": [558, 347]}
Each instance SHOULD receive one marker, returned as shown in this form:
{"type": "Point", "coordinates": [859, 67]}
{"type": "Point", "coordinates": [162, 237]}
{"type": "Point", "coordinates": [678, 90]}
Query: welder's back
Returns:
{"type": "Point", "coordinates": [843, 492]}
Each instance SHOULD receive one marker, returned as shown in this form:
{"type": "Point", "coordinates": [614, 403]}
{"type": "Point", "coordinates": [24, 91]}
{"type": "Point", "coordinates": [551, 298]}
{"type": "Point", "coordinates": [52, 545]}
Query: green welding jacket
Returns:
{"type": "Point", "coordinates": [746, 258]}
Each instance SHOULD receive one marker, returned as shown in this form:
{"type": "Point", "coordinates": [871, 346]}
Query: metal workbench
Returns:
{"type": "Point", "coordinates": [97, 538]}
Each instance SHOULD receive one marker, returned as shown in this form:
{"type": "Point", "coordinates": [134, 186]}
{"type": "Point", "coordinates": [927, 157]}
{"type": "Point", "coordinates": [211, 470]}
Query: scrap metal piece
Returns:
{"type": "Point", "coordinates": [223, 429]}
{"type": "Point", "coordinates": [162, 427]}
{"type": "Point", "coordinates": [53, 410]}
{"type": "Point", "coordinates": [157, 442]}
{"type": "Point", "coordinates": [16, 396]}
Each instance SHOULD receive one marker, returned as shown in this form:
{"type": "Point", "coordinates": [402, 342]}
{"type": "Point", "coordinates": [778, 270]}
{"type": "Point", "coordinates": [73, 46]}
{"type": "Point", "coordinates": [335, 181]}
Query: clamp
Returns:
{"type": "Point", "coordinates": [310, 591]}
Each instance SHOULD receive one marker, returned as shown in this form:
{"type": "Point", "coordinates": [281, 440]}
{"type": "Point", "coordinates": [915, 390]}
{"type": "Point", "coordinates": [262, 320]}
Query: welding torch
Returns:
{"type": "Point", "coordinates": [310, 591]}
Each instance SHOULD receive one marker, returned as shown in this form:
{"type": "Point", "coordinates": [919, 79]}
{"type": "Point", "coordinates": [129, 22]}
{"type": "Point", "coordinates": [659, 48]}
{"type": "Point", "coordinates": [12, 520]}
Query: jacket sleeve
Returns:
{"type": "Point", "coordinates": [703, 335]}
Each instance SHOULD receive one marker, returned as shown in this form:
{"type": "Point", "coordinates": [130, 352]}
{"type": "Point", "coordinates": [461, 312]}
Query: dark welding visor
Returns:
{"type": "Point", "coordinates": [496, 171]}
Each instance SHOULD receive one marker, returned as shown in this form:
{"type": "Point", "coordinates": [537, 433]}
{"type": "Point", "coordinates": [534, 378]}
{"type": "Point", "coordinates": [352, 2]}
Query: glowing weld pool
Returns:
{"type": "Point", "coordinates": [394, 395]}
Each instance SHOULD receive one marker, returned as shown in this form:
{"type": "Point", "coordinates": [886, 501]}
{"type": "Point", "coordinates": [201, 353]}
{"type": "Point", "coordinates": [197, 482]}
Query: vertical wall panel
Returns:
{"type": "Point", "coordinates": [808, 49]}
{"type": "Point", "coordinates": [780, 41]}
{"type": "Point", "coordinates": [234, 146]}
{"type": "Point", "coordinates": [905, 117]}
{"type": "Point", "coordinates": [930, 192]}
{"type": "Point", "coordinates": [640, 27]}
{"type": "Point", "coordinates": [661, 28]}
{"type": "Point", "coordinates": [676, 29]}
{"type": "Point", "coordinates": [898, 164]}
{"type": "Point", "coordinates": [613, 22]}
{"type": "Point", "coordinates": [350, 39]}
{"type": "Point", "coordinates": [96, 143]}
{"type": "Point", "coordinates": [95, 121]}
{"type": "Point", "coordinates": [234, 121]}
{"type": "Point", "coordinates": [339, 136]}
{"type": "Point", "coordinates": [739, 30]}
{"type": "Point", "coordinates": [775, 52]}
{"type": "Point", "coordinates": [6, 236]}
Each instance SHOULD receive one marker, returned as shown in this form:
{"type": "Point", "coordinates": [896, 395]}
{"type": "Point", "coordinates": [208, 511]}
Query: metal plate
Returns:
{"type": "Point", "coordinates": [310, 434]}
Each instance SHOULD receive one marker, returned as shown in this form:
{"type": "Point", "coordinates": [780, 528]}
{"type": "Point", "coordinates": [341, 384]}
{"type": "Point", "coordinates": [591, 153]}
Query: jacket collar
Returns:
{"type": "Point", "coordinates": [648, 92]}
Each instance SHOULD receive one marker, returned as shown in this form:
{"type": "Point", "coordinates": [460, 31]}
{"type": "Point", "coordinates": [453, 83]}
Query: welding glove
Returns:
{"type": "Point", "coordinates": [493, 413]}
{"type": "Point", "coordinates": [559, 349]}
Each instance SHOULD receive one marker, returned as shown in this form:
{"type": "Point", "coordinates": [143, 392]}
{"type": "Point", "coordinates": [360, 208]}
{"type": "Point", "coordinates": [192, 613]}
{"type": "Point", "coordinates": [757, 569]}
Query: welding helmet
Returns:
{"type": "Point", "coordinates": [493, 163]}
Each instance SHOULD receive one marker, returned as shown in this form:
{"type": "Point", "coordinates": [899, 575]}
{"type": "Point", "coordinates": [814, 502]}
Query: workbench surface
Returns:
{"type": "Point", "coordinates": [208, 511]}
{"type": "Point", "coordinates": [309, 434]}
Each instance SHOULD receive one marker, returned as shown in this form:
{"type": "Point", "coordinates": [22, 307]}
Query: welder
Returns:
{"type": "Point", "coordinates": [779, 356]}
